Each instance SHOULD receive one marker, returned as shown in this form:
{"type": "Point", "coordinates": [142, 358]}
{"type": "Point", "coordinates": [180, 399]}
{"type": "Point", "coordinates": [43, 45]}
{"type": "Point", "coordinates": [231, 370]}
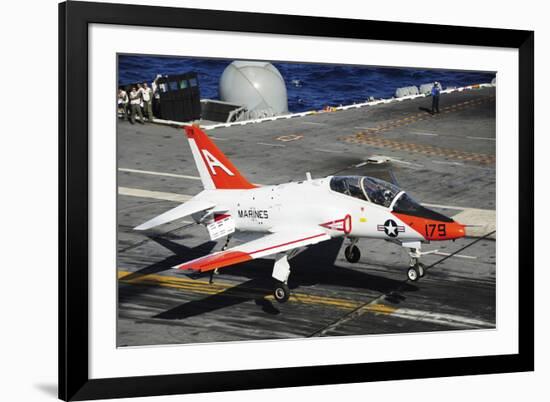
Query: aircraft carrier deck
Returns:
{"type": "Point", "coordinates": [446, 161]}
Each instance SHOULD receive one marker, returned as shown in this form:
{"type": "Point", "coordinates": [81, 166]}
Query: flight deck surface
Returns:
{"type": "Point", "coordinates": [446, 161]}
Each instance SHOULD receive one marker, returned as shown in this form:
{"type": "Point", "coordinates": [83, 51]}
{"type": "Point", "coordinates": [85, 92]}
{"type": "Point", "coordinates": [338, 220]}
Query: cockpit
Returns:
{"type": "Point", "coordinates": [383, 193]}
{"type": "Point", "coordinates": [366, 188]}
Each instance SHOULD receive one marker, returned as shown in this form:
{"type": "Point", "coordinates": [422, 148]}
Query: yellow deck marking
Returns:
{"type": "Point", "coordinates": [203, 287]}
{"type": "Point", "coordinates": [356, 308]}
{"type": "Point", "coordinates": [381, 142]}
{"type": "Point", "coordinates": [387, 125]}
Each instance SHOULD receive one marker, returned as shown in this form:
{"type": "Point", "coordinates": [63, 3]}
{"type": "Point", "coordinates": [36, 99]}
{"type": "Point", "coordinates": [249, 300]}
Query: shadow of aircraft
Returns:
{"type": "Point", "coordinates": [315, 265]}
{"type": "Point", "coordinates": [181, 255]}
{"type": "Point", "coordinates": [254, 289]}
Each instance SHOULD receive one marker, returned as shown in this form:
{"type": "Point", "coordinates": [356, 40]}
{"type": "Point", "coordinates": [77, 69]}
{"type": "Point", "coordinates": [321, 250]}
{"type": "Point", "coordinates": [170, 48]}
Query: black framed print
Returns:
{"type": "Point", "coordinates": [258, 201]}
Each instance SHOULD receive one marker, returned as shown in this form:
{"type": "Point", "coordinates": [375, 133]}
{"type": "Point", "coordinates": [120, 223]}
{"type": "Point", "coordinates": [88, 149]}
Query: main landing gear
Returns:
{"type": "Point", "coordinates": [281, 272]}
{"type": "Point", "coordinates": [215, 272]}
{"type": "Point", "coordinates": [352, 252]}
{"type": "Point", "coordinates": [281, 292]}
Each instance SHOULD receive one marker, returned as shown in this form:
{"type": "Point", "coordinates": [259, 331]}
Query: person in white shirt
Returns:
{"type": "Point", "coordinates": [135, 101]}
{"type": "Point", "coordinates": [147, 97]}
{"type": "Point", "coordinates": [122, 102]}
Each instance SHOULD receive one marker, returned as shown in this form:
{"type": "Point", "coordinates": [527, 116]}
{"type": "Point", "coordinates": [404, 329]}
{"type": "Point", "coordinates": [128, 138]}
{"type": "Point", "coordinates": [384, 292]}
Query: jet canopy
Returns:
{"type": "Point", "coordinates": [366, 188]}
{"type": "Point", "coordinates": [383, 193]}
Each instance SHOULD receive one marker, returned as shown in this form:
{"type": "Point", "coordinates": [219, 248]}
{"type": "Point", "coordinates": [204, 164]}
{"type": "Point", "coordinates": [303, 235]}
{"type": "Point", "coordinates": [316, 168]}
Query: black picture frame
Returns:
{"type": "Point", "coordinates": [74, 18]}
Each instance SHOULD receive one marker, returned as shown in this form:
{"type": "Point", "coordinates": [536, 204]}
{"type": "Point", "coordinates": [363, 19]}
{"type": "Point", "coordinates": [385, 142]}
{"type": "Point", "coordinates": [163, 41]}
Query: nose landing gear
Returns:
{"type": "Point", "coordinates": [415, 272]}
{"type": "Point", "coordinates": [416, 268]}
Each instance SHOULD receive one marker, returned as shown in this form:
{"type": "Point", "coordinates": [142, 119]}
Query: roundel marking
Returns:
{"type": "Point", "coordinates": [390, 228]}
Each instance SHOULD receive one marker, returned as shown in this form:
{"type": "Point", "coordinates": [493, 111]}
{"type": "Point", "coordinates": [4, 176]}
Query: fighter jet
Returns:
{"type": "Point", "coordinates": [292, 216]}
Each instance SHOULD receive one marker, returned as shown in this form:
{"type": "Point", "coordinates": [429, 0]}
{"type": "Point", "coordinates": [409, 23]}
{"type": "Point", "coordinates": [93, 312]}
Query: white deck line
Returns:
{"type": "Point", "coordinates": [271, 145]}
{"type": "Point", "coordinates": [423, 133]}
{"type": "Point", "coordinates": [452, 320]}
{"type": "Point", "coordinates": [156, 195]}
{"type": "Point", "coordinates": [482, 138]}
{"type": "Point", "coordinates": [148, 172]}
{"type": "Point", "coordinates": [314, 123]}
{"type": "Point", "coordinates": [330, 151]}
{"type": "Point", "coordinates": [468, 257]}
{"type": "Point", "coordinates": [445, 206]}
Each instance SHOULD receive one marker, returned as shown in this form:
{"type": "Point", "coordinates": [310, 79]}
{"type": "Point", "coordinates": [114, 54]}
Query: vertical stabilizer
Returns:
{"type": "Point", "coordinates": [215, 170]}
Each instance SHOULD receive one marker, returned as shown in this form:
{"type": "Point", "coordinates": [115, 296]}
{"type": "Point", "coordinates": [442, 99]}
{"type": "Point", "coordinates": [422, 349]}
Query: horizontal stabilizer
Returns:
{"type": "Point", "coordinates": [189, 208]}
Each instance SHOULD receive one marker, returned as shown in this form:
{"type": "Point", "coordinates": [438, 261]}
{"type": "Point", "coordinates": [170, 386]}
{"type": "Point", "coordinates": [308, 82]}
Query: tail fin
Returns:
{"type": "Point", "coordinates": [216, 171]}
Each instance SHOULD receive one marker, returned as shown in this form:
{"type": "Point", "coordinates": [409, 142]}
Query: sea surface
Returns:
{"type": "Point", "coordinates": [309, 86]}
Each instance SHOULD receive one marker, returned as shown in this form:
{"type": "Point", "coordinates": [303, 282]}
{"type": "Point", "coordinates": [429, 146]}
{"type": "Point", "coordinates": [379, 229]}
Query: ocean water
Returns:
{"type": "Point", "coordinates": [309, 86]}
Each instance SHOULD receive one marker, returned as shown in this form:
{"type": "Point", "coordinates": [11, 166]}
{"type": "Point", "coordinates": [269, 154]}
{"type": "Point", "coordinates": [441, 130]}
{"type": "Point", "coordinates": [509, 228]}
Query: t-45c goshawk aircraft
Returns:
{"type": "Point", "coordinates": [295, 215]}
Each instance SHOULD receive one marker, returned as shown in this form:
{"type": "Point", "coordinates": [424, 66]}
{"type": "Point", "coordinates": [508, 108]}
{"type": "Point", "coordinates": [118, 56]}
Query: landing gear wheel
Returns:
{"type": "Point", "coordinates": [352, 253]}
{"type": "Point", "coordinates": [421, 269]}
{"type": "Point", "coordinates": [281, 292]}
{"type": "Point", "coordinates": [413, 273]}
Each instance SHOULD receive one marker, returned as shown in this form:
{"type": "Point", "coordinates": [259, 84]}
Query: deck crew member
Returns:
{"type": "Point", "coordinates": [122, 103]}
{"type": "Point", "coordinates": [147, 96]}
{"type": "Point", "coordinates": [436, 89]}
{"type": "Point", "coordinates": [135, 101]}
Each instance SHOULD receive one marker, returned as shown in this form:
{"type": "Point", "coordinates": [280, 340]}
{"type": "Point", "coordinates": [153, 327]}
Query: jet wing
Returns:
{"type": "Point", "coordinates": [189, 208]}
{"type": "Point", "coordinates": [270, 244]}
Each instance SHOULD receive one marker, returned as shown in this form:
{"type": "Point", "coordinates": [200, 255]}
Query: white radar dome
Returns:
{"type": "Point", "coordinates": [257, 85]}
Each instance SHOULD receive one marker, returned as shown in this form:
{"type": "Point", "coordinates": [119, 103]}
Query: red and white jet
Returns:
{"type": "Point", "coordinates": [295, 215]}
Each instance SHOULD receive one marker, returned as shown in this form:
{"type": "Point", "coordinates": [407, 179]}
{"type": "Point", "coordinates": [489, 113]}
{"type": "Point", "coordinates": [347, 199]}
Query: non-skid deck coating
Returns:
{"type": "Point", "coordinates": [446, 160]}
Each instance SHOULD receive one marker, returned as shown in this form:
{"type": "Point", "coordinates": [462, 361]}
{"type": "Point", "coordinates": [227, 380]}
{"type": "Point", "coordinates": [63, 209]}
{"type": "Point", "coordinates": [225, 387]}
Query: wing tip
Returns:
{"type": "Point", "coordinates": [213, 261]}
{"type": "Point", "coordinates": [182, 267]}
{"type": "Point", "coordinates": [145, 226]}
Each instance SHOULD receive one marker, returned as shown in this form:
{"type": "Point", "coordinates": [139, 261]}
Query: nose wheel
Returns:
{"type": "Point", "coordinates": [415, 272]}
{"type": "Point", "coordinates": [416, 268]}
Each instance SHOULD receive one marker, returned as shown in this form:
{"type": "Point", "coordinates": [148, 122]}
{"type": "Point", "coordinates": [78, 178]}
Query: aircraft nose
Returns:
{"type": "Point", "coordinates": [456, 230]}
{"type": "Point", "coordinates": [433, 226]}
